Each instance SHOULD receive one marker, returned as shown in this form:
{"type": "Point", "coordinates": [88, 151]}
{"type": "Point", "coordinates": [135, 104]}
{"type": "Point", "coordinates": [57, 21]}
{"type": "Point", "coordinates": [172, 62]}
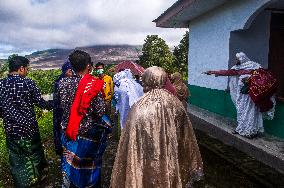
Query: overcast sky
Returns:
{"type": "Point", "coordinates": [30, 25]}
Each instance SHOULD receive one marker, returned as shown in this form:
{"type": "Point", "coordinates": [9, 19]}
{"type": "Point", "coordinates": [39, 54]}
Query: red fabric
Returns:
{"type": "Point", "coordinates": [230, 72]}
{"type": "Point", "coordinates": [262, 85]}
{"type": "Point", "coordinates": [103, 89]}
{"type": "Point", "coordinates": [88, 88]}
{"type": "Point", "coordinates": [134, 67]}
{"type": "Point", "coordinates": [169, 86]}
{"type": "Point", "coordinates": [264, 105]}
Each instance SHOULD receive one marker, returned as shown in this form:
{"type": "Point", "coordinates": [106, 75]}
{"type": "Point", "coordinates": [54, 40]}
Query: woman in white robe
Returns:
{"type": "Point", "coordinates": [249, 117]}
{"type": "Point", "coordinates": [126, 92]}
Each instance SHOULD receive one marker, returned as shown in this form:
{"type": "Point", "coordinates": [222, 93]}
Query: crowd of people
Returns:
{"type": "Point", "coordinates": [157, 146]}
{"type": "Point", "coordinates": [157, 143]}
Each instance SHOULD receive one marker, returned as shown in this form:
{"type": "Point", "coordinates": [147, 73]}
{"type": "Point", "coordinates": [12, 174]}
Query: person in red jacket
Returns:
{"type": "Point", "coordinates": [85, 127]}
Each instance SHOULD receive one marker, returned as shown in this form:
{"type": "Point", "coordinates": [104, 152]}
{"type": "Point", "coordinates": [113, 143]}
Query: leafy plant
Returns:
{"type": "Point", "coordinates": [3, 150]}
{"type": "Point", "coordinates": [181, 56]}
{"type": "Point", "coordinates": [155, 52]}
{"type": "Point", "coordinates": [3, 70]}
{"type": "Point", "coordinates": [45, 79]}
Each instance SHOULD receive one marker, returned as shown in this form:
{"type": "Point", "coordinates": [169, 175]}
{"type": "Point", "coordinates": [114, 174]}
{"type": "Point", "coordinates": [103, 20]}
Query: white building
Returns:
{"type": "Point", "coordinates": [218, 29]}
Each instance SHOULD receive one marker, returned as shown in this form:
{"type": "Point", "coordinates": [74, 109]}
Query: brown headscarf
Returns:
{"type": "Point", "coordinates": [181, 88]}
{"type": "Point", "coordinates": [159, 79]}
{"type": "Point", "coordinates": [158, 147]}
{"type": "Point", "coordinates": [154, 78]}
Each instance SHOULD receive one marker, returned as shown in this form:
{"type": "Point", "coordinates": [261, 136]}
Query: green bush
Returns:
{"type": "Point", "coordinates": [45, 123]}
{"type": "Point", "coordinates": [45, 79]}
{"type": "Point", "coordinates": [3, 149]}
{"type": "Point", "coordinates": [46, 132]}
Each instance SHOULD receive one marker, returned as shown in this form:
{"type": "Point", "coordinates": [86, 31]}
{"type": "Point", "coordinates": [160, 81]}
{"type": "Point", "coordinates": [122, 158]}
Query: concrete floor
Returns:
{"type": "Point", "coordinates": [266, 149]}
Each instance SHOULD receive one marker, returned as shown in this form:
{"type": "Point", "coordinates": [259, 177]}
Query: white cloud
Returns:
{"type": "Point", "coordinates": [29, 25]}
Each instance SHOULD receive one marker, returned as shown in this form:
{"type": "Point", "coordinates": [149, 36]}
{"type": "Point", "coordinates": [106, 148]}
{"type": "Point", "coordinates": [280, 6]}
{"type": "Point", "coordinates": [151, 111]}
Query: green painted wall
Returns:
{"type": "Point", "coordinates": [220, 102]}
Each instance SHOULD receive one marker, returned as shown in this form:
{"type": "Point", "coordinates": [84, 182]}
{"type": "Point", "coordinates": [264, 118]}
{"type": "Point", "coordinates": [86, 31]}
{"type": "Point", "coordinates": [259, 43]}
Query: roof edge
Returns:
{"type": "Point", "coordinates": [176, 8]}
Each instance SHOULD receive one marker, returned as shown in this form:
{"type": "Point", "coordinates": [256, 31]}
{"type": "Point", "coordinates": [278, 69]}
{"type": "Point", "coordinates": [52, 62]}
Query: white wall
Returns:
{"type": "Point", "coordinates": [209, 37]}
{"type": "Point", "coordinates": [253, 41]}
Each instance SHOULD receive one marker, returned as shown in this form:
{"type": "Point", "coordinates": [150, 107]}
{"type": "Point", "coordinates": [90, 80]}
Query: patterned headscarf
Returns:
{"type": "Point", "coordinates": [65, 67]}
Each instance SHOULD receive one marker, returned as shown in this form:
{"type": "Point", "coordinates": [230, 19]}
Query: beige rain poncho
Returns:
{"type": "Point", "coordinates": [157, 147]}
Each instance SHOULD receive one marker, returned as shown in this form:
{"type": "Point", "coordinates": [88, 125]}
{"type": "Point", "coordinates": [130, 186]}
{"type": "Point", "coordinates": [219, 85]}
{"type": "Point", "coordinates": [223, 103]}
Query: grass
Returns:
{"type": "Point", "coordinates": [3, 157]}
{"type": "Point", "coordinates": [3, 150]}
{"type": "Point", "coordinates": [46, 132]}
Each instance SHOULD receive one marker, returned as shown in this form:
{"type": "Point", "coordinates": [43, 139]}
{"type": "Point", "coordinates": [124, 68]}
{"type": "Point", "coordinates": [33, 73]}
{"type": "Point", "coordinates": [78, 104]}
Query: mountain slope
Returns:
{"type": "Point", "coordinates": [108, 54]}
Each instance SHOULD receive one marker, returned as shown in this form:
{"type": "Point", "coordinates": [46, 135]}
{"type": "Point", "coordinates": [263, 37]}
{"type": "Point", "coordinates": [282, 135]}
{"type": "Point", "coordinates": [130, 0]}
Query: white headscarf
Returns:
{"type": "Point", "coordinates": [122, 75]}
{"type": "Point", "coordinates": [246, 63]}
{"type": "Point", "coordinates": [127, 92]}
{"type": "Point", "coordinates": [124, 82]}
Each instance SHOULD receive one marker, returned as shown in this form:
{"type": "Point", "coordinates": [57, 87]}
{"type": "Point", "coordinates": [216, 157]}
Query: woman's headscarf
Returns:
{"type": "Point", "coordinates": [245, 63]}
{"type": "Point", "coordinates": [154, 78]}
{"type": "Point", "coordinates": [65, 67]}
{"type": "Point", "coordinates": [242, 57]}
{"type": "Point", "coordinates": [181, 89]}
{"type": "Point", "coordinates": [176, 78]}
{"type": "Point", "coordinates": [125, 74]}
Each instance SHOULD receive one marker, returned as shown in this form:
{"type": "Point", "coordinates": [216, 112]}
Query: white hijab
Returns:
{"type": "Point", "coordinates": [124, 82]}
{"type": "Point", "coordinates": [246, 63]}
{"type": "Point", "coordinates": [126, 92]}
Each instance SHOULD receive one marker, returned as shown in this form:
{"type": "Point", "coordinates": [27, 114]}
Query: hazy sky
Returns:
{"type": "Point", "coordinates": [30, 25]}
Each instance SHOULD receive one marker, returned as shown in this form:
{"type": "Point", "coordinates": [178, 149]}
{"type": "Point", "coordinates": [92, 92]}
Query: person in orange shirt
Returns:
{"type": "Point", "coordinates": [108, 85]}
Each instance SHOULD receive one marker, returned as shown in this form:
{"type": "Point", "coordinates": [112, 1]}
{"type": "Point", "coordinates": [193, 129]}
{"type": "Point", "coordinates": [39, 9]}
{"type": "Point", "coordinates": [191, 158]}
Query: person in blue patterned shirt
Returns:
{"type": "Point", "coordinates": [18, 96]}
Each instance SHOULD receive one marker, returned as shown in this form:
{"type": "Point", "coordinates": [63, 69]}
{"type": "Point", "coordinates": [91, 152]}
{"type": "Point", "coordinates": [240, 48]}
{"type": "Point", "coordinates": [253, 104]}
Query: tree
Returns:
{"type": "Point", "coordinates": [181, 55]}
{"type": "Point", "coordinates": [155, 52]}
{"type": "Point", "coordinates": [4, 67]}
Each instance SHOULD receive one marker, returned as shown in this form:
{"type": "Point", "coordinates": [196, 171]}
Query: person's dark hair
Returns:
{"type": "Point", "coordinates": [100, 64]}
{"type": "Point", "coordinates": [79, 60]}
{"type": "Point", "coordinates": [15, 62]}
